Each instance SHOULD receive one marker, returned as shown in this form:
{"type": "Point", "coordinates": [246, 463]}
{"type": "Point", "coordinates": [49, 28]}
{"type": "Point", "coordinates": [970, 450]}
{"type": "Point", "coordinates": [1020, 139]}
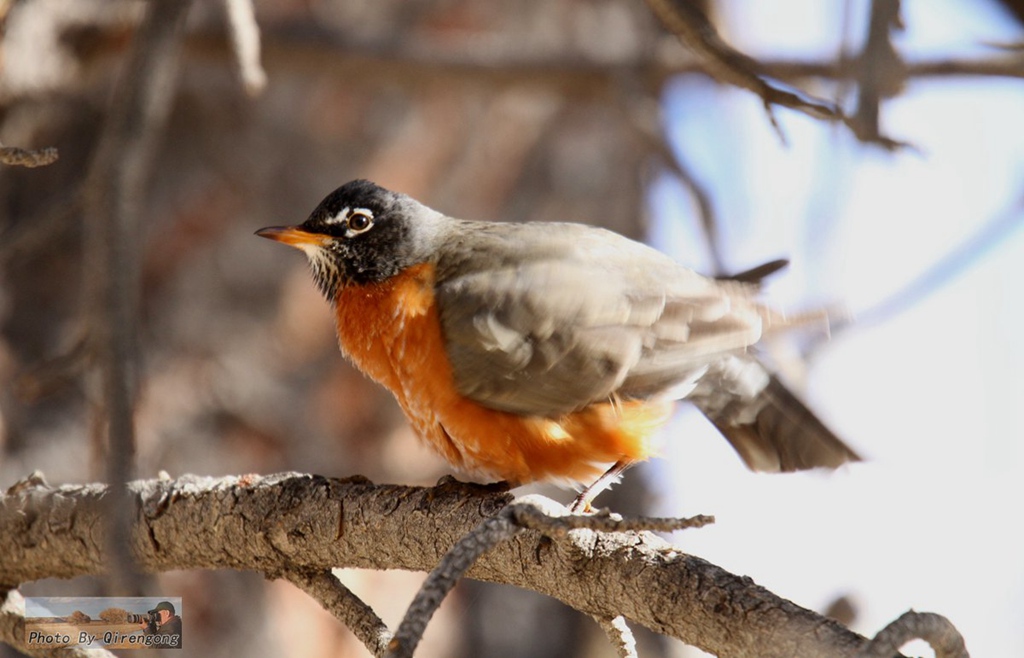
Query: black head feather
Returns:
{"type": "Point", "coordinates": [354, 255]}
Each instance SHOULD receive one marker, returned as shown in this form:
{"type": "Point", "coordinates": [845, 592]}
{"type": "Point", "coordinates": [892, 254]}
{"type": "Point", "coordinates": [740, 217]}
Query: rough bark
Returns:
{"type": "Point", "coordinates": [289, 522]}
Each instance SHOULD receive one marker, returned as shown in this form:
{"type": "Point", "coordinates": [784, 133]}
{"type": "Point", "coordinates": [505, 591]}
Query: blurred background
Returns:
{"type": "Point", "coordinates": [567, 110]}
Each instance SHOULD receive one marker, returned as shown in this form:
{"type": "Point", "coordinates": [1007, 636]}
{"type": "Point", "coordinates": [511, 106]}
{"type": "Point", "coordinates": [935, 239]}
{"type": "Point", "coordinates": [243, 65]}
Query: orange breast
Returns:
{"type": "Point", "coordinates": [391, 332]}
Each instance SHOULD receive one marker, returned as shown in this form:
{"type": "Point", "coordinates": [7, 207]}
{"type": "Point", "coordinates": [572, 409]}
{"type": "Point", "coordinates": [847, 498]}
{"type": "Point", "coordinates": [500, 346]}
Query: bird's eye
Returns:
{"type": "Point", "coordinates": [359, 221]}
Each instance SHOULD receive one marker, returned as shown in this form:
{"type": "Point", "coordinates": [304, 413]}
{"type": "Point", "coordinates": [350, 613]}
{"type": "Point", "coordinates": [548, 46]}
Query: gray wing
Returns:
{"type": "Point", "coordinates": [545, 319]}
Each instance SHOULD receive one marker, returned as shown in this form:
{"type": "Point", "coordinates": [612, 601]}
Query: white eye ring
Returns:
{"type": "Point", "coordinates": [358, 221]}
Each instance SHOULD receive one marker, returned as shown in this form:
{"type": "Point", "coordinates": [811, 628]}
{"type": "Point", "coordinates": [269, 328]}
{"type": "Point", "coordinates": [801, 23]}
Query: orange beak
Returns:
{"type": "Point", "coordinates": [293, 236]}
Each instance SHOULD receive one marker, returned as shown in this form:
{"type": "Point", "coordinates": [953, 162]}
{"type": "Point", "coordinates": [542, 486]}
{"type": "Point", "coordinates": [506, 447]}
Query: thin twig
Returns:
{"type": "Point", "coordinates": [993, 67]}
{"type": "Point", "coordinates": [348, 608]}
{"type": "Point", "coordinates": [529, 512]}
{"type": "Point", "coordinates": [706, 213]}
{"type": "Point", "coordinates": [12, 155]}
{"type": "Point", "coordinates": [620, 635]}
{"type": "Point", "coordinates": [934, 629]}
{"type": "Point", "coordinates": [442, 579]}
{"type": "Point", "coordinates": [967, 252]}
{"type": "Point", "coordinates": [245, 40]}
{"type": "Point", "coordinates": [645, 118]}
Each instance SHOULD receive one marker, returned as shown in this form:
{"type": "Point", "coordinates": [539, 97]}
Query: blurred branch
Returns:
{"type": "Point", "coordinates": [644, 118]}
{"type": "Point", "coordinates": [1015, 8]}
{"type": "Point", "coordinates": [245, 39]}
{"type": "Point", "coordinates": [881, 73]}
{"type": "Point", "coordinates": [726, 64]}
{"type": "Point", "coordinates": [308, 46]}
{"type": "Point", "coordinates": [54, 373]}
{"type": "Point", "coordinates": [12, 155]}
{"type": "Point", "coordinates": [295, 524]}
{"type": "Point", "coordinates": [996, 67]}
{"type": "Point", "coordinates": [966, 253]}
{"type": "Point", "coordinates": [23, 239]}
{"type": "Point", "coordinates": [12, 632]}
{"type": "Point", "coordinates": [112, 204]}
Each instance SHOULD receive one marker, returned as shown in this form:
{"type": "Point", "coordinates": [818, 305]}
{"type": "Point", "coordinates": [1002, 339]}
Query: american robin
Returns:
{"type": "Point", "coordinates": [546, 351]}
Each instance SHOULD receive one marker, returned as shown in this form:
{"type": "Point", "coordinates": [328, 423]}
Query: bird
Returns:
{"type": "Point", "coordinates": [548, 352]}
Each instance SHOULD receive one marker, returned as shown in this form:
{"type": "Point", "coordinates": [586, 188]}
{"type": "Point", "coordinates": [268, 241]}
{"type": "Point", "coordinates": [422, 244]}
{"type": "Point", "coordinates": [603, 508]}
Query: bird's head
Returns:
{"type": "Point", "coordinates": [360, 233]}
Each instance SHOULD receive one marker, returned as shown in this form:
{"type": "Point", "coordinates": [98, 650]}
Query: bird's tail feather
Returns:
{"type": "Point", "coordinates": [784, 435]}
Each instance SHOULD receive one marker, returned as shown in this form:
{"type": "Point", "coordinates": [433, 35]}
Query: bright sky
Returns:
{"type": "Point", "coordinates": [931, 394]}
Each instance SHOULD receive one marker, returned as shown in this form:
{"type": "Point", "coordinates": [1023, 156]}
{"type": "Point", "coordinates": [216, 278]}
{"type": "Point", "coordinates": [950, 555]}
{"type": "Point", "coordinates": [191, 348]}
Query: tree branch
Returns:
{"type": "Point", "coordinates": [881, 74]}
{"type": "Point", "coordinates": [308, 46]}
{"type": "Point", "coordinates": [288, 524]}
{"type": "Point", "coordinates": [536, 512]}
{"type": "Point", "coordinates": [934, 629]}
{"type": "Point", "coordinates": [726, 64]}
{"type": "Point", "coordinates": [965, 254]}
{"type": "Point", "coordinates": [348, 608]}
